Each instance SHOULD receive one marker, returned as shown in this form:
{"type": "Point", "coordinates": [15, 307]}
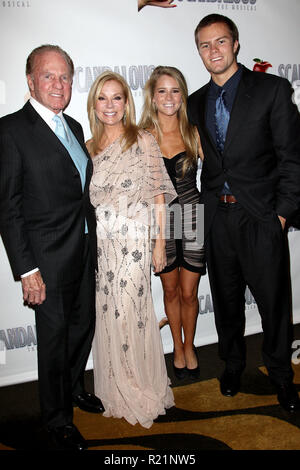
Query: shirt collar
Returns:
{"type": "Point", "coordinates": [45, 113]}
{"type": "Point", "coordinates": [231, 83]}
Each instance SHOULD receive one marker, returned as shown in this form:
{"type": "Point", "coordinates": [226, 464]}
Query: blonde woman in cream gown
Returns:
{"type": "Point", "coordinates": [129, 178]}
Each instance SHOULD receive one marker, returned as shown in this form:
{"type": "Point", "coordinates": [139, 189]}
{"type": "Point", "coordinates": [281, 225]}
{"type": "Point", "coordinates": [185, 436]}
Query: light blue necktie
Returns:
{"type": "Point", "coordinates": [222, 117]}
{"type": "Point", "coordinates": [74, 149]}
{"type": "Point", "coordinates": [60, 130]}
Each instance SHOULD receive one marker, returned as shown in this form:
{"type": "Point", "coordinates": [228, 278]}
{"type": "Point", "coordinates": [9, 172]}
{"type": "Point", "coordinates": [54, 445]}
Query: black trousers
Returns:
{"type": "Point", "coordinates": [242, 251]}
{"type": "Point", "coordinates": [65, 325]}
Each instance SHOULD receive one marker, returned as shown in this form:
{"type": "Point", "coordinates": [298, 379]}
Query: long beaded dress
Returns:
{"type": "Point", "coordinates": [129, 366]}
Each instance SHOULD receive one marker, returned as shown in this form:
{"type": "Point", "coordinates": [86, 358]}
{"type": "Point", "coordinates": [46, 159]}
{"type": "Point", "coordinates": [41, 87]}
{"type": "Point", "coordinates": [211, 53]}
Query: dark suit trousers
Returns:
{"type": "Point", "coordinates": [65, 328]}
{"type": "Point", "coordinates": [242, 251]}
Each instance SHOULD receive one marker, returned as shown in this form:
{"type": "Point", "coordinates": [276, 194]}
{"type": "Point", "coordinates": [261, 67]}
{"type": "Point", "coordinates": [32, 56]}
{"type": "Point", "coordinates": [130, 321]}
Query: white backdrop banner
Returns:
{"type": "Point", "coordinates": [112, 34]}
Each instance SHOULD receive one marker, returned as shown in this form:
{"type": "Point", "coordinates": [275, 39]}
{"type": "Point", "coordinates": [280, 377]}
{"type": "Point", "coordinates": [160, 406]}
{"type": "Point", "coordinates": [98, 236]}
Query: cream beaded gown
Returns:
{"type": "Point", "coordinates": [129, 366]}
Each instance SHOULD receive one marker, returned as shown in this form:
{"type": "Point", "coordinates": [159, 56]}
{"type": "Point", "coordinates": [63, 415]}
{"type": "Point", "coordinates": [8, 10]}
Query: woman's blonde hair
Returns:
{"type": "Point", "coordinates": [149, 118]}
{"type": "Point", "coordinates": [130, 129]}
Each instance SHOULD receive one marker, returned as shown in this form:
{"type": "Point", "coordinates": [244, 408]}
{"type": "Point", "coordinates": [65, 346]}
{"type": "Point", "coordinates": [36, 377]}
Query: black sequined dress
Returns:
{"type": "Point", "coordinates": [184, 227]}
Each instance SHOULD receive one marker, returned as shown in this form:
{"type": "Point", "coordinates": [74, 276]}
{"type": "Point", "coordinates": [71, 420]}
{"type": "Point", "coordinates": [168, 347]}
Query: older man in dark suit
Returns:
{"type": "Point", "coordinates": [48, 228]}
{"type": "Point", "coordinates": [250, 133]}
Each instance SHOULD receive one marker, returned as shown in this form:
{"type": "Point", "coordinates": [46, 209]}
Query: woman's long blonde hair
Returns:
{"type": "Point", "coordinates": [130, 128]}
{"type": "Point", "coordinates": [149, 119]}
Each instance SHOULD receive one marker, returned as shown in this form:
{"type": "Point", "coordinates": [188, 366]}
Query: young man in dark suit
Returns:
{"type": "Point", "coordinates": [48, 228]}
{"type": "Point", "coordinates": [250, 134]}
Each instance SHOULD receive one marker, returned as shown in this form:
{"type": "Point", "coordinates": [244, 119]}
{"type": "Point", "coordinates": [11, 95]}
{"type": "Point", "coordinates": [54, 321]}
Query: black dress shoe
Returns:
{"type": "Point", "coordinates": [68, 438]}
{"type": "Point", "coordinates": [230, 383]}
{"type": "Point", "coordinates": [88, 402]}
{"type": "Point", "coordinates": [288, 397]}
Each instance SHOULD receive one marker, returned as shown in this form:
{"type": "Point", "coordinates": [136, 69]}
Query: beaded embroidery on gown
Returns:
{"type": "Point", "coordinates": [129, 366]}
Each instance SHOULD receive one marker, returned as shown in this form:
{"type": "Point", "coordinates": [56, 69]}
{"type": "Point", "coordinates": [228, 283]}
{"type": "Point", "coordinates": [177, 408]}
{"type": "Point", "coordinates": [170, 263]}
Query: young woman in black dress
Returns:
{"type": "Point", "coordinates": [164, 115]}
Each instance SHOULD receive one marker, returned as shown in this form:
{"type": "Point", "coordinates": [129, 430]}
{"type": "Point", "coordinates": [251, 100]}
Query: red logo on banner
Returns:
{"type": "Point", "coordinates": [261, 65]}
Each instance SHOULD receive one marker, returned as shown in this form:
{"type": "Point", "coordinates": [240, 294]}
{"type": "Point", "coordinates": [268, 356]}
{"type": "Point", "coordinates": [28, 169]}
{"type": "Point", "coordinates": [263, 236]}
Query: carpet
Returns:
{"type": "Point", "coordinates": [202, 419]}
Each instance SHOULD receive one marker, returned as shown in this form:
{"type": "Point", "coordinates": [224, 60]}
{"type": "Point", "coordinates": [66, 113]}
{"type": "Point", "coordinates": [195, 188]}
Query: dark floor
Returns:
{"type": "Point", "coordinates": [22, 400]}
{"type": "Point", "coordinates": [20, 403]}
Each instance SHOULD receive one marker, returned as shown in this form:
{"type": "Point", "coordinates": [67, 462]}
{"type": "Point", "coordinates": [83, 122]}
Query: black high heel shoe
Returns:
{"type": "Point", "coordinates": [194, 374]}
{"type": "Point", "coordinates": [180, 372]}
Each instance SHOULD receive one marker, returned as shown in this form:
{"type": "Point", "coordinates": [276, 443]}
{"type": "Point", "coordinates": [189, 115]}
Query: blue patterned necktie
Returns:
{"type": "Point", "coordinates": [60, 130]}
{"type": "Point", "coordinates": [222, 119]}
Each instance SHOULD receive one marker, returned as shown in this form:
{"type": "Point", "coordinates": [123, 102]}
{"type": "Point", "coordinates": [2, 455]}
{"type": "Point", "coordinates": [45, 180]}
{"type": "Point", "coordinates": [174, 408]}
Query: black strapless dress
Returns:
{"type": "Point", "coordinates": [183, 247]}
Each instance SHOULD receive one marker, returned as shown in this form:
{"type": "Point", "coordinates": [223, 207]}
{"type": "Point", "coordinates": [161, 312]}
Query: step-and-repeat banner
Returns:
{"type": "Point", "coordinates": [113, 34]}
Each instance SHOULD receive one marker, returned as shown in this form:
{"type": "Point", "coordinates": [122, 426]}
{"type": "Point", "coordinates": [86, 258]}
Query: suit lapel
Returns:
{"type": "Point", "coordinates": [201, 105]}
{"type": "Point", "coordinates": [238, 113]}
{"type": "Point", "coordinates": [240, 107]}
{"type": "Point", "coordinates": [41, 128]}
{"type": "Point", "coordinates": [48, 137]}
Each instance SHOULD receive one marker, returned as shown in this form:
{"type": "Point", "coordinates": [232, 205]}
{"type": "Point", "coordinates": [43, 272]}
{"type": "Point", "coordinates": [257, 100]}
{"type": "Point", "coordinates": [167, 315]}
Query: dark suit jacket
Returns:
{"type": "Point", "coordinates": [261, 160]}
{"type": "Point", "coordinates": [42, 206]}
